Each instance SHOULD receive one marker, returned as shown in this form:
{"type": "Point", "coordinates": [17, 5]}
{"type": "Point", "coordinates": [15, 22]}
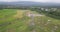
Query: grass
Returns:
{"type": "Point", "coordinates": [9, 23]}
{"type": "Point", "coordinates": [14, 20]}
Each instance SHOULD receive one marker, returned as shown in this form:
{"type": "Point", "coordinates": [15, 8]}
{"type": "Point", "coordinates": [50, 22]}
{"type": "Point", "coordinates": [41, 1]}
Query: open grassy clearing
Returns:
{"type": "Point", "coordinates": [14, 20]}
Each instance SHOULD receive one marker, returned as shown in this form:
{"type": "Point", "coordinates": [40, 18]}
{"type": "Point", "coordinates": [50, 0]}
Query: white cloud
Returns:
{"type": "Point", "coordinates": [9, 0]}
{"type": "Point", "coordinates": [41, 0]}
{"type": "Point", "coordinates": [58, 1]}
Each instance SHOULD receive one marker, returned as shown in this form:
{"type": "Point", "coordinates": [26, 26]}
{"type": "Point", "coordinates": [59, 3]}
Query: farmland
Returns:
{"type": "Point", "coordinates": [15, 20]}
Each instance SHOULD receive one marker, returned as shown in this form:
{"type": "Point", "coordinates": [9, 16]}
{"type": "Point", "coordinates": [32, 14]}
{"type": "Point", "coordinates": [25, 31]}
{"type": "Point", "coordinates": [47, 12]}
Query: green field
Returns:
{"type": "Point", "coordinates": [14, 20]}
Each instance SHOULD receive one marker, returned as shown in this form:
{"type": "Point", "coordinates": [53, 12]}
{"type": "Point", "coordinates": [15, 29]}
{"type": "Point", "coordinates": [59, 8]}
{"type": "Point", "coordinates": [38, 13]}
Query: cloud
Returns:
{"type": "Point", "coordinates": [57, 1]}
{"type": "Point", "coordinates": [9, 0]}
{"type": "Point", "coordinates": [41, 0]}
{"type": "Point", "coordinates": [14, 0]}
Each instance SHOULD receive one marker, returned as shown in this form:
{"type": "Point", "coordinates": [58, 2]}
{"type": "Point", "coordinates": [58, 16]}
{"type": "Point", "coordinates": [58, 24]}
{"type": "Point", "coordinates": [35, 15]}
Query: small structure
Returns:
{"type": "Point", "coordinates": [46, 10]}
{"type": "Point", "coordinates": [42, 8]}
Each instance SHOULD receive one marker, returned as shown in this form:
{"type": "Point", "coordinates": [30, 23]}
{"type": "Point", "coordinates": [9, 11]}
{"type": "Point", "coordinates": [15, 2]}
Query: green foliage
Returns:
{"type": "Point", "coordinates": [51, 13]}
{"type": "Point", "coordinates": [10, 24]}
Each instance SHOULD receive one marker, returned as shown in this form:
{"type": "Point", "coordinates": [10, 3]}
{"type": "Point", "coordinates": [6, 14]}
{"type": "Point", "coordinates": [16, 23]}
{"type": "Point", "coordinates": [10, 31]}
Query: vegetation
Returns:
{"type": "Point", "coordinates": [51, 13]}
{"type": "Point", "coordinates": [15, 20]}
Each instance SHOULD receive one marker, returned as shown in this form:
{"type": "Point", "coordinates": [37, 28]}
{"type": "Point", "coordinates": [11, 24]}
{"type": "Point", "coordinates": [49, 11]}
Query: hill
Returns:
{"type": "Point", "coordinates": [30, 3]}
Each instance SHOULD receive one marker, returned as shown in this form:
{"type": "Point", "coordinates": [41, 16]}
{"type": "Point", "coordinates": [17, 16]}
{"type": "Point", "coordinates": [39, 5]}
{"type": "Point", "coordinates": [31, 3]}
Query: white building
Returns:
{"type": "Point", "coordinates": [46, 9]}
{"type": "Point", "coordinates": [42, 8]}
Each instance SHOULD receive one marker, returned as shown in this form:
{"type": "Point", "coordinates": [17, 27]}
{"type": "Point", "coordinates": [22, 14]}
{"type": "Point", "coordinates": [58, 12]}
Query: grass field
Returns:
{"type": "Point", "coordinates": [14, 20]}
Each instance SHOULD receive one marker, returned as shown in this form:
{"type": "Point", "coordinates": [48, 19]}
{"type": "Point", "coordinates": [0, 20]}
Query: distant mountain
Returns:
{"type": "Point", "coordinates": [29, 3]}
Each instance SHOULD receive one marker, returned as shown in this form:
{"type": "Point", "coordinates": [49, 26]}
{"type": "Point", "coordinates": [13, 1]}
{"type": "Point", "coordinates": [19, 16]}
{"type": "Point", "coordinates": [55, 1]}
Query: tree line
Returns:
{"type": "Point", "coordinates": [50, 12]}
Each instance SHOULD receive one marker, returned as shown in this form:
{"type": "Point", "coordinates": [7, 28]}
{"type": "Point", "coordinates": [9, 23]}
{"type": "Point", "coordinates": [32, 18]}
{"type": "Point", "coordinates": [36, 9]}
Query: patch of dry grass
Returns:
{"type": "Point", "coordinates": [19, 14]}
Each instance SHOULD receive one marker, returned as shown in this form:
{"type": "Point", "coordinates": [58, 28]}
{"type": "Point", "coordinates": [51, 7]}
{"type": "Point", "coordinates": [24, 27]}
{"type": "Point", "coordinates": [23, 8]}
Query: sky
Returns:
{"type": "Point", "coordinates": [56, 1]}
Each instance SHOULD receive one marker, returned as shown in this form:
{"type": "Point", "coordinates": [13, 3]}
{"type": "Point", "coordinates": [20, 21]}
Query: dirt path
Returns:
{"type": "Point", "coordinates": [32, 22]}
